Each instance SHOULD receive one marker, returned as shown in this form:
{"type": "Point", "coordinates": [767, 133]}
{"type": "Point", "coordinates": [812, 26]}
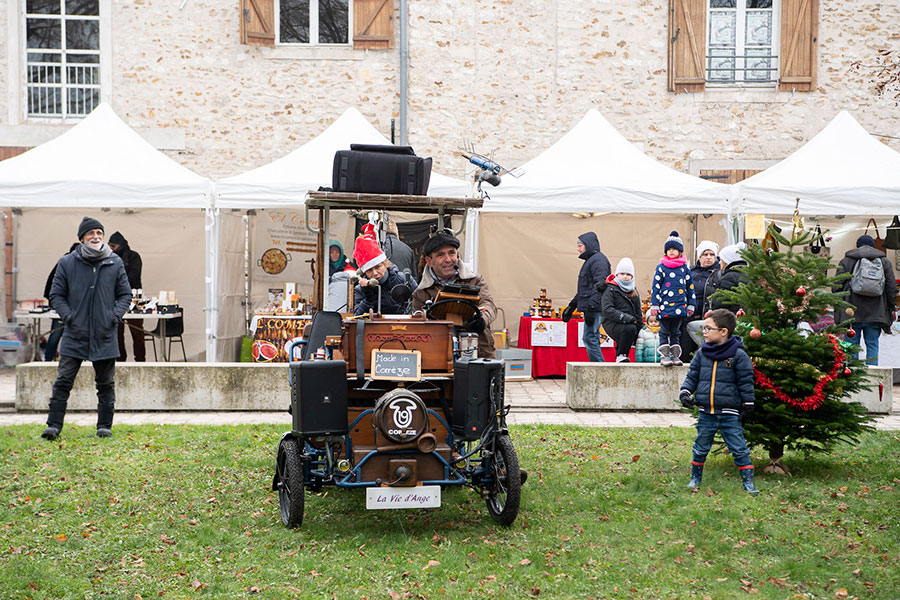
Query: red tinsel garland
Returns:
{"type": "Point", "coordinates": [814, 400]}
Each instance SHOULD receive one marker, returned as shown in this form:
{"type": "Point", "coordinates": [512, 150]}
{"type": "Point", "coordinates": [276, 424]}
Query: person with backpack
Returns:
{"type": "Point", "coordinates": [872, 292]}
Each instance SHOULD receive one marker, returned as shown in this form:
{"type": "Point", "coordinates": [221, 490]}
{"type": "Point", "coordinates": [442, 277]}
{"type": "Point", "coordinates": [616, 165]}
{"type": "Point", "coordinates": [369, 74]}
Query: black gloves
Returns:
{"type": "Point", "coordinates": [567, 314]}
{"type": "Point", "coordinates": [685, 398]}
{"type": "Point", "coordinates": [476, 324]}
{"type": "Point", "coordinates": [747, 409]}
{"type": "Point", "coordinates": [628, 319]}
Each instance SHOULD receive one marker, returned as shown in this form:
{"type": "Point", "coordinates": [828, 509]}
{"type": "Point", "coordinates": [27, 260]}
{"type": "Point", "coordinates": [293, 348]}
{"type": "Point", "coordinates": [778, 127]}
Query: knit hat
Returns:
{"type": "Point", "coordinates": [367, 252]}
{"type": "Point", "coordinates": [731, 253]}
{"type": "Point", "coordinates": [117, 238]}
{"type": "Point", "coordinates": [673, 241]}
{"type": "Point", "coordinates": [865, 240]}
{"type": "Point", "coordinates": [707, 245]}
{"type": "Point", "coordinates": [438, 240]}
{"type": "Point", "coordinates": [87, 224]}
{"type": "Point", "coordinates": [625, 266]}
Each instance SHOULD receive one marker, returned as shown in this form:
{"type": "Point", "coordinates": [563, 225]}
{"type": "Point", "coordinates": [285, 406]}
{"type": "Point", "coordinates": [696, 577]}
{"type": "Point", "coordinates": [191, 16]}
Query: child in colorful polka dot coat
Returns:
{"type": "Point", "coordinates": [673, 299]}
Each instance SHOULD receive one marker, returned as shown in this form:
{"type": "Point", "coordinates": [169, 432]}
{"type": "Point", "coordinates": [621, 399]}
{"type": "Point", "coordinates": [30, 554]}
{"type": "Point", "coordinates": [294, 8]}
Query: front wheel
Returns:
{"type": "Point", "coordinates": [289, 474]}
{"type": "Point", "coordinates": [505, 491]}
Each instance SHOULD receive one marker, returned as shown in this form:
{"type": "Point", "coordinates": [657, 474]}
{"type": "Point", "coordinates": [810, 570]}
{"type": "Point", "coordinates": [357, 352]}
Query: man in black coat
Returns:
{"type": "Point", "coordinates": [588, 298]}
{"type": "Point", "coordinates": [397, 251]}
{"type": "Point", "coordinates": [90, 292]}
{"type": "Point", "coordinates": [872, 312]}
{"type": "Point", "coordinates": [133, 267]}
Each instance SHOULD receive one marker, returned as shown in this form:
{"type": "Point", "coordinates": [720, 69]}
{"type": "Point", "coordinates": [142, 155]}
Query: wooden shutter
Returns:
{"type": "Point", "coordinates": [799, 33]}
{"type": "Point", "coordinates": [258, 22]}
{"type": "Point", "coordinates": [687, 45]}
{"type": "Point", "coordinates": [373, 24]}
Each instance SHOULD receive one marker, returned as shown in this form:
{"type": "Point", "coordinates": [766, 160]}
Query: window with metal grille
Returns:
{"type": "Point", "coordinates": [742, 42]}
{"type": "Point", "coordinates": [62, 66]}
{"type": "Point", "coordinates": [322, 21]}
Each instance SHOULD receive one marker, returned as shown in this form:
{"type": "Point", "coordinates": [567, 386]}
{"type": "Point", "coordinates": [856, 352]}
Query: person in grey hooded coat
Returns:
{"type": "Point", "coordinates": [90, 291]}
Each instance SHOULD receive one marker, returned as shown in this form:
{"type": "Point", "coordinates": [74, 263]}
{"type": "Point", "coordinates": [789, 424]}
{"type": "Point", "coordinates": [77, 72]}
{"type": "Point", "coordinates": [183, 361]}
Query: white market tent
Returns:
{"type": "Point", "coordinates": [571, 188]}
{"type": "Point", "coordinates": [595, 168]}
{"type": "Point", "coordinates": [101, 163]}
{"type": "Point", "coordinates": [842, 170]}
{"type": "Point", "coordinates": [285, 181]}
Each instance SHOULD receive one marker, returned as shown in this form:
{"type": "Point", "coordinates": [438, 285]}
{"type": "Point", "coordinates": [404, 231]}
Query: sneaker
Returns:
{"type": "Point", "coordinates": [103, 432]}
{"type": "Point", "coordinates": [622, 358]}
{"type": "Point", "coordinates": [51, 433]}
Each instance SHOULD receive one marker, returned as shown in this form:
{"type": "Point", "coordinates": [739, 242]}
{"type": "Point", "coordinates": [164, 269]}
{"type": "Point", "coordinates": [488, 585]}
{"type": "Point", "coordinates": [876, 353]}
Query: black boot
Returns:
{"type": "Point", "coordinates": [747, 480]}
{"type": "Point", "coordinates": [696, 475]}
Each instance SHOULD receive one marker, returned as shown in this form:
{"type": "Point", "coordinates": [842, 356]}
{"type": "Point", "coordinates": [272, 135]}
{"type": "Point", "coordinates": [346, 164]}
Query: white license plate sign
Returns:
{"type": "Point", "coordinates": [425, 496]}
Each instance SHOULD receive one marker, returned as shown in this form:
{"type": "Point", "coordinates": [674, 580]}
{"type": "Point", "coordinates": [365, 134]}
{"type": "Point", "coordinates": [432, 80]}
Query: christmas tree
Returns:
{"type": "Point", "coordinates": [801, 375]}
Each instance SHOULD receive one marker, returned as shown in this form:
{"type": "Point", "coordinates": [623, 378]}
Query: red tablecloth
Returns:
{"type": "Point", "coordinates": [551, 360]}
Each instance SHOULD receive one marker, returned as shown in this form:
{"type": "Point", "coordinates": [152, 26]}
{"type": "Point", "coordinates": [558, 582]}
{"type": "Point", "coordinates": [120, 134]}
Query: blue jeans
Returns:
{"type": "Point", "coordinates": [56, 331]}
{"type": "Point", "coordinates": [592, 321]}
{"type": "Point", "coordinates": [869, 332]}
{"type": "Point", "coordinates": [732, 433]}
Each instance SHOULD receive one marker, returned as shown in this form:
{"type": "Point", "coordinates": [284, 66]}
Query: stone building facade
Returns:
{"type": "Point", "coordinates": [508, 74]}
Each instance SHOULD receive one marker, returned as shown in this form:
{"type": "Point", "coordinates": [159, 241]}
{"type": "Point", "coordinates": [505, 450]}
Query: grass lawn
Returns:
{"type": "Point", "coordinates": [186, 512]}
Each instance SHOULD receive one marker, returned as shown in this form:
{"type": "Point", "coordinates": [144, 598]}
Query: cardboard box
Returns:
{"type": "Point", "coordinates": [516, 363]}
{"type": "Point", "coordinates": [500, 340]}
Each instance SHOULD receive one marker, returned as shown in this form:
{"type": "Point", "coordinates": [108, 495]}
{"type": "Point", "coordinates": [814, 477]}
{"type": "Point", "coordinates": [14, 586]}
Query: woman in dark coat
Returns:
{"type": "Point", "coordinates": [621, 309]}
{"type": "Point", "coordinates": [704, 285]}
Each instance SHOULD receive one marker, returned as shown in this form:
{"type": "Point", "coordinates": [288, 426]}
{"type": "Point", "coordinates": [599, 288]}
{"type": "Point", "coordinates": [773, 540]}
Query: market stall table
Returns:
{"type": "Point", "coordinates": [551, 360]}
{"type": "Point", "coordinates": [37, 317]}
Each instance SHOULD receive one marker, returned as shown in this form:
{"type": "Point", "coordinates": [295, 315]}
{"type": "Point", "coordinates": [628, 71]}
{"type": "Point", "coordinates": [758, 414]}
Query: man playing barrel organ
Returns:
{"type": "Point", "coordinates": [443, 268]}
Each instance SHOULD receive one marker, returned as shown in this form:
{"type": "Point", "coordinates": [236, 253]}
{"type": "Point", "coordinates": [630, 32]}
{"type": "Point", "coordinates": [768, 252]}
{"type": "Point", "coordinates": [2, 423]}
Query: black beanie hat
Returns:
{"type": "Point", "coordinates": [87, 224]}
{"type": "Point", "coordinates": [438, 240]}
{"type": "Point", "coordinates": [865, 240]}
{"type": "Point", "coordinates": [117, 238]}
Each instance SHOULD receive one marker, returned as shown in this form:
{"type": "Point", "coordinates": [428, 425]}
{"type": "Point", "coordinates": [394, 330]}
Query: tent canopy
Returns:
{"type": "Point", "coordinates": [101, 162]}
{"type": "Point", "coordinates": [593, 168]}
{"type": "Point", "coordinates": [842, 170]}
{"type": "Point", "coordinates": [285, 181]}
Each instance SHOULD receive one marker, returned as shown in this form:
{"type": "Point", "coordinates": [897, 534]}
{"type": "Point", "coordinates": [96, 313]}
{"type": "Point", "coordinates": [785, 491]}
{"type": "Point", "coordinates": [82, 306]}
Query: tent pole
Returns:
{"type": "Point", "coordinates": [211, 231]}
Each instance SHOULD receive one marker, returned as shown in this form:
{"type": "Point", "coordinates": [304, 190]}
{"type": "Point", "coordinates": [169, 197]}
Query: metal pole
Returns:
{"type": "Point", "coordinates": [404, 65]}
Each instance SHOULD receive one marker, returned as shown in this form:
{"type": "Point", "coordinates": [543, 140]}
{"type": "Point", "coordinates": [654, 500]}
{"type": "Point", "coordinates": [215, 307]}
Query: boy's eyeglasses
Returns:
{"type": "Point", "coordinates": [707, 329]}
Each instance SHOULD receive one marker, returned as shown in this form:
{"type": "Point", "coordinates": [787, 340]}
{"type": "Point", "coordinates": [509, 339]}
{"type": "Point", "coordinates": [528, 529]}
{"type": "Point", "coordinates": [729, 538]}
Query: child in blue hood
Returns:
{"type": "Point", "coordinates": [720, 380]}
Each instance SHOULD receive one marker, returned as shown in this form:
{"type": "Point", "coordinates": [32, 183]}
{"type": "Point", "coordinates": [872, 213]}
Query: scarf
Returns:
{"type": "Point", "coordinates": [726, 349]}
{"type": "Point", "coordinates": [625, 286]}
{"type": "Point", "coordinates": [673, 263]}
{"type": "Point", "coordinates": [443, 282]}
{"type": "Point", "coordinates": [94, 255]}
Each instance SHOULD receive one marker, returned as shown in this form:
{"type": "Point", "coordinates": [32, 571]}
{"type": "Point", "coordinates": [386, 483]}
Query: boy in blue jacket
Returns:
{"type": "Point", "coordinates": [720, 379]}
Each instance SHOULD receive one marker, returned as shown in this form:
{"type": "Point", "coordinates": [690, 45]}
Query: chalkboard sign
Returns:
{"type": "Point", "coordinates": [396, 365]}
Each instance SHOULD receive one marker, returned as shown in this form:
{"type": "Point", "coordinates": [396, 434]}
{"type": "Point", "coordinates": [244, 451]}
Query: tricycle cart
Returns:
{"type": "Point", "coordinates": [392, 403]}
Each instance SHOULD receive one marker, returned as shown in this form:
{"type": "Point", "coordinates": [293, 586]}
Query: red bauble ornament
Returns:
{"type": "Point", "coordinates": [801, 291]}
{"type": "Point", "coordinates": [755, 333]}
{"type": "Point", "coordinates": [770, 250]}
{"type": "Point", "coordinates": [847, 371]}
{"type": "Point", "coordinates": [851, 332]}
{"type": "Point", "coordinates": [740, 313]}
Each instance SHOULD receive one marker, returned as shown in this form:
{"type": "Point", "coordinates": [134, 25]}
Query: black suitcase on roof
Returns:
{"type": "Point", "coordinates": [371, 169]}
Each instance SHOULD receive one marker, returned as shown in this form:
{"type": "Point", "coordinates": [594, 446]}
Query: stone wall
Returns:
{"type": "Point", "coordinates": [511, 75]}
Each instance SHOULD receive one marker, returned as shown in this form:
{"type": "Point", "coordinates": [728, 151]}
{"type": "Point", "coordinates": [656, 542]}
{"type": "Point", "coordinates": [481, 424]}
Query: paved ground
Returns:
{"type": "Point", "coordinates": [538, 401]}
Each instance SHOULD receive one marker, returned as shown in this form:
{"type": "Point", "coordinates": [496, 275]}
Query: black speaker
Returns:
{"type": "Point", "coordinates": [319, 397]}
{"type": "Point", "coordinates": [477, 390]}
